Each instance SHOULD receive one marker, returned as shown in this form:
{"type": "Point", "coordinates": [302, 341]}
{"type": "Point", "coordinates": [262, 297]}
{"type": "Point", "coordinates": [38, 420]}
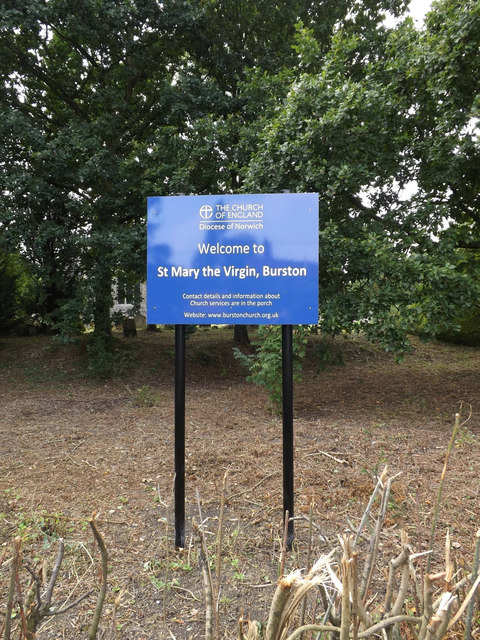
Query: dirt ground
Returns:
{"type": "Point", "coordinates": [70, 445]}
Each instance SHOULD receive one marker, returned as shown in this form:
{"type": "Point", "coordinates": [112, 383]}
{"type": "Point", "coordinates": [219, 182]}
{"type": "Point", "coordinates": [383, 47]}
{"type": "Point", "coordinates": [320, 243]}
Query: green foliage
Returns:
{"type": "Point", "coordinates": [31, 525]}
{"type": "Point", "coordinates": [15, 288]}
{"type": "Point", "coordinates": [74, 122]}
{"type": "Point", "coordinates": [107, 359]}
{"type": "Point", "coordinates": [146, 397]}
{"type": "Point", "coordinates": [328, 353]}
{"type": "Point", "coordinates": [100, 359]}
{"type": "Point", "coordinates": [467, 331]}
{"type": "Point", "coordinates": [360, 126]}
{"type": "Point", "coordinates": [101, 107]}
{"type": "Point", "coordinates": [265, 365]}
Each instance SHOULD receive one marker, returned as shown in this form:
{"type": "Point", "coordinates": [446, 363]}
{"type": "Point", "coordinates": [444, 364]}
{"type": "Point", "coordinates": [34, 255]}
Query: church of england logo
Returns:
{"type": "Point", "coordinates": [206, 212]}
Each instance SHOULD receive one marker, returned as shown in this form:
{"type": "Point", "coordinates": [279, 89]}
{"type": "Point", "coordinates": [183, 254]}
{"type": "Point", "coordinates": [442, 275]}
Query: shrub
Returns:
{"type": "Point", "coordinates": [12, 278]}
{"type": "Point", "coordinates": [265, 364]}
{"type": "Point", "coordinates": [467, 332]}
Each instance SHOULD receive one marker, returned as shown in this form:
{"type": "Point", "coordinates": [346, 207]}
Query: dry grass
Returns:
{"type": "Point", "coordinates": [69, 445]}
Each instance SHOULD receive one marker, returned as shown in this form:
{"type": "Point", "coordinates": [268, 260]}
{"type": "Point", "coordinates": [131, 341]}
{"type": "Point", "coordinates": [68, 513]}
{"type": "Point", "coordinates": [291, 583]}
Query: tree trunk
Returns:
{"type": "Point", "coordinates": [101, 313]}
{"type": "Point", "coordinates": [240, 334]}
{"type": "Point", "coordinates": [102, 298]}
{"type": "Point", "coordinates": [129, 327]}
{"type": "Point", "coordinates": [101, 277]}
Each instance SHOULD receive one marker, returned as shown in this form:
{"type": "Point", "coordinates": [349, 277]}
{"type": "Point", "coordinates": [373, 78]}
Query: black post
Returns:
{"type": "Point", "coordinates": [180, 435]}
{"type": "Point", "coordinates": [287, 388]}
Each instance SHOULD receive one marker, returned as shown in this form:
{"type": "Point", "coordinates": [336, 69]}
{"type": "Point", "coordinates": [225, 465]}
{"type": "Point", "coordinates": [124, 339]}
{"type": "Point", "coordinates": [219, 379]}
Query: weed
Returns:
{"type": "Point", "coordinates": [180, 565]}
{"type": "Point", "coordinates": [146, 397]}
{"type": "Point", "coordinates": [38, 372]}
{"type": "Point", "coordinates": [265, 365]}
{"type": "Point", "coordinates": [12, 495]}
{"type": "Point", "coordinates": [465, 437]}
{"type": "Point", "coordinates": [328, 353]}
{"type": "Point", "coordinates": [225, 603]}
{"type": "Point", "coordinates": [163, 585]}
{"type": "Point", "coordinates": [237, 574]}
{"type": "Point", "coordinates": [39, 525]}
{"type": "Point", "coordinates": [395, 509]}
{"type": "Point", "coordinates": [108, 360]}
{"type": "Point", "coordinates": [204, 356]}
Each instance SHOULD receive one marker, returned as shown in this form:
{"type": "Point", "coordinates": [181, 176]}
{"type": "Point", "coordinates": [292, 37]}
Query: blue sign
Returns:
{"type": "Point", "coordinates": [233, 259]}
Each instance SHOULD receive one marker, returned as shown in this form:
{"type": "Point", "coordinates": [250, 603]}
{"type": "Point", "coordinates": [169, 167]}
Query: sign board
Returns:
{"type": "Point", "coordinates": [233, 259]}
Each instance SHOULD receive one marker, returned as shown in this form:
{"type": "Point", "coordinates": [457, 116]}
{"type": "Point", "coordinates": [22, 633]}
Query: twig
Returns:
{"type": "Point", "coordinates": [36, 614]}
{"type": "Point", "coordinates": [103, 587]}
{"type": "Point", "coordinates": [388, 622]}
{"type": "Point", "coordinates": [54, 576]}
{"type": "Point", "coordinates": [170, 633]}
{"type": "Point", "coordinates": [346, 613]}
{"type": "Point", "coordinates": [418, 588]}
{"type": "Point", "coordinates": [284, 545]}
{"type": "Point", "coordinates": [322, 535]}
{"type": "Point", "coordinates": [357, 603]}
{"type": "Point", "coordinates": [442, 481]}
{"type": "Point", "coordinates": [176, 587]}
{"type": "Point", "coordinates": [38, 584]}
{"type": "Point", "coordinates": [427, 606]}
{"type": "Point", "coordinates": [207, 579]}
{"type": "Point", "coordinates": [219, 554]}
{"type": "Point", "coordinates": [464, 605]}
{"type": "Point", "coordinates": [327, 455]}
{"type": "Point", "coordinates": [469, 618]}
{"type": "Point", "coordinates": [280, 600]}
{"type": "Point", "coordinates": [116, 605]}
{"type": "Point", "coordinates": [167, 565]}
{"type": "Point", "coordinates": [204, 544]}
{"type": "Point", "coordinates": [309, 561]}
{"type": "Point", "coordinates": [438, 623]}
{"type": "Point", "coordinates": [375, 541]}
{"type": "Point", "coordinates": [401, 561]}
{"type": "Point", "coordinates": [25, 630]}
{"type": "Point", "coordinates": [11, 587]}
{"type": "Point", "coordinates": [207, 574]}
{"type": "Point", "coordinates": [349, 568]}
{"type": "Point", "coordinates": [404, 581]}
{"type": "Point", "coordinates": [69, 606]}
{"type": "Point", "coordinates": [384, 624]}
{"type": "Point", "coordinates": [241, 493]}
{"type": "Point", "coordinates": [378, 486]}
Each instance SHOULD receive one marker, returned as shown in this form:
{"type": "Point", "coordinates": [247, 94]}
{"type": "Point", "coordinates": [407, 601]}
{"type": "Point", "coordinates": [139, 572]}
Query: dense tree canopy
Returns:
{"type": "Point", "coordinates": [84, 85]}
{"type": "Point", "coordinates": [390, 141]}
{"type": "Point", "coordinates": [104, 102]}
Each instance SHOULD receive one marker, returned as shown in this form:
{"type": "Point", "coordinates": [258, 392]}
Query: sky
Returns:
{"type": "Point", "coordinates": [418, 9]}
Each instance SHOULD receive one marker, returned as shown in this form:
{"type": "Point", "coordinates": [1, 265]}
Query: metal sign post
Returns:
{"type": "Point", "coordinates": [288, 447]}
{"type": "Point", "coordinates": [233, 259]}
{"type": "Point", "coordinates": [179, 436]}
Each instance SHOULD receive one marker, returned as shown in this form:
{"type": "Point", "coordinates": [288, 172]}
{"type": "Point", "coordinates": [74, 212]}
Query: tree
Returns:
{"type": "Point", "coordinates": [244, 51]}
{"type": "Point", "coordinates": [447, 75]}
{"type": "Point", "coordinates": [84, 86]}
{"type": "Point", "coordinates": [105, 102]}
{"type": "Point", "coordinates": [13, 283]}
{"type": "Point", "coordinates": [357, 126]}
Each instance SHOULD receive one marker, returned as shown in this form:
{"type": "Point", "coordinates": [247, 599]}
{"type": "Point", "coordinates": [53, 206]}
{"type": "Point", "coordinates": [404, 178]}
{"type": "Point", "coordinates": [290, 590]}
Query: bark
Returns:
{"type": "Point", "coordinates": [240, 334]}
{"type": "Point", "coordinates": [129, 327]}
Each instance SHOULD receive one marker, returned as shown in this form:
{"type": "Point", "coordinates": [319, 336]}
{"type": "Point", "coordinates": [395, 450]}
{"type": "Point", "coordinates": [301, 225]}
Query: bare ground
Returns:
{"type": "Point", "coordinates": [70, 445]}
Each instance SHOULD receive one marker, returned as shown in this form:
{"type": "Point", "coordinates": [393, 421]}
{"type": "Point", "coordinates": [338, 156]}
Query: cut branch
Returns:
{"type": "Point", "coordinates": [103, 587]}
